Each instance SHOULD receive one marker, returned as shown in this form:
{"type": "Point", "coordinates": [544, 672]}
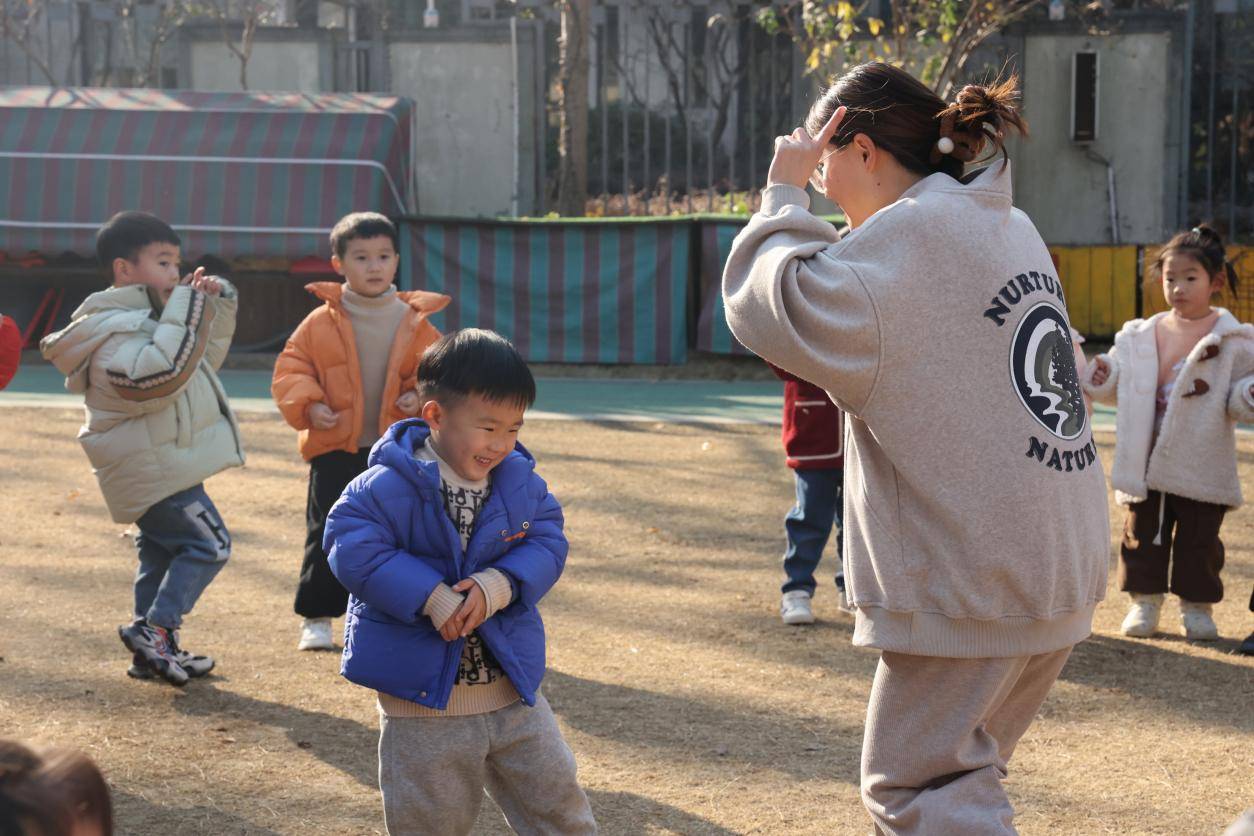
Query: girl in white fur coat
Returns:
{"type": "Point", "coordinates": [1182, 380]}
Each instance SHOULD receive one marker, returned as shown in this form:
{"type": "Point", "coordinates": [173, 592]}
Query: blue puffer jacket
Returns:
{"type": "Point", "coordinates": [390, 542]}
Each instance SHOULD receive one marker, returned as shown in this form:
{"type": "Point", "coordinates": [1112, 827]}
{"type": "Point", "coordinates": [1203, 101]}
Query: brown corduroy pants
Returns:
{"type": "Point", "coordinates": [1170, 535]}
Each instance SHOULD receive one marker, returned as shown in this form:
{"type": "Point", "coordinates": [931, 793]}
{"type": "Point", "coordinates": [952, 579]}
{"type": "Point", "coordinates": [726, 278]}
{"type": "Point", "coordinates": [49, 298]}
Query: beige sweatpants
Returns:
{"type": "Point", "coordinates": [939, 734]}
{"type": "Point", "coordinates": [433, 772]}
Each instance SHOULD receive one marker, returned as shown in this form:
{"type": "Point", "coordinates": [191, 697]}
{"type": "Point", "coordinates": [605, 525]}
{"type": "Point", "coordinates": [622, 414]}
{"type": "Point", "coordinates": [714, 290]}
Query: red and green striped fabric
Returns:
{"type": "Point", "coordinates": [239, 174]}
{"type": "Point", "coordinates": [562, 292]}
{"type": "Point", "coordinates": [713, 335]}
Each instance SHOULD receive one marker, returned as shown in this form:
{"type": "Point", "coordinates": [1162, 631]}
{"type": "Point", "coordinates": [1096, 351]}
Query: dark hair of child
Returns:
{"type": "Point", "coordinates": [50, 794]}
{"type": "Point", "coordinates": [1203, 243]}
{"type": "Point", "coordinates": [214, 266]}
{"type": "Point", "coordinates": [473, 361]}
{"type": "Point", "coordinates": [126, 233]}
{"type": "Point", "coordinates": [904, 117]}
{"type": "Point", "coordinates": [362, 225]}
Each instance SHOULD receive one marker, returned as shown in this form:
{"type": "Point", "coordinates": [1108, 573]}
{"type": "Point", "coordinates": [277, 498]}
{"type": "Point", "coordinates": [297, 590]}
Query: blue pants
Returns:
{"type": "Point", "coordinates": [809, 524]}
{"type": "Point", "coordinates": [183, 544]}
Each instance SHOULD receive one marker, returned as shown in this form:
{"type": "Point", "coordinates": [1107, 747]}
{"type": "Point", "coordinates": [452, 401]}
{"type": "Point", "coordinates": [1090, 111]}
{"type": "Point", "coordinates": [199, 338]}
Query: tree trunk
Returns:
{"type": "Point", "coordinates": [572, 146]}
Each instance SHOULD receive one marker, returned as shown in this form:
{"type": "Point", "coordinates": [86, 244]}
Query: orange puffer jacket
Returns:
{"type": "Point", "coordinates": [319, 364]}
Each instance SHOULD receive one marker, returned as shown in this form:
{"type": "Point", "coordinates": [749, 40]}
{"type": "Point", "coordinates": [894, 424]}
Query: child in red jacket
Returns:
{"type": "Point", "coordinates": [10, 349]}
{"type": "Point", "coordinates": [814, 434]}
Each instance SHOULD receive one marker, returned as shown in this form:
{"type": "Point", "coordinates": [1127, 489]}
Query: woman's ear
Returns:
{"type": "Point", "coordinates": [865, 148]}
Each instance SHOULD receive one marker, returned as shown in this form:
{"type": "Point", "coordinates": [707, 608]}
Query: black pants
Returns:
{"type": "Point", "coordinates": [319, 594]}
{"type": "Point", "coordinates": [1189, 552]}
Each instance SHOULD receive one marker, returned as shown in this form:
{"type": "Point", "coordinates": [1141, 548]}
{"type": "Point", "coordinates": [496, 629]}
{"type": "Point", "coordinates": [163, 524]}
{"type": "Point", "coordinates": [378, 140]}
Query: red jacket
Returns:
{"type": "Point", "coordinates": [814, 427]}
{"type": "Point", "coordinates": [10, 349]}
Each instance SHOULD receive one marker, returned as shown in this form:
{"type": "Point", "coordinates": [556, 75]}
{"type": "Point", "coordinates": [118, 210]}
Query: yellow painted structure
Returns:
{"type": "Point", "coordinates": [1103, 284]}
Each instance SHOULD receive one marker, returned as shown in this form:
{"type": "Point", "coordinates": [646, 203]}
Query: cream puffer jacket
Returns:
{"type": "Point", "coordinates": [1195, 454]}
{"type": "Point", "coordinates": [158, 420]}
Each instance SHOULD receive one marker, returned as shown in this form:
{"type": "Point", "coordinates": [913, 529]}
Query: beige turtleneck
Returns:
{"type": "Point", "coordinates": [374, 320]}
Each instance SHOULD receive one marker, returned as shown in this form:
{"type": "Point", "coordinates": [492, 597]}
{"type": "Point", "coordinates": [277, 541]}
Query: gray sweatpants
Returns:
{"type": "Point", "coordinates": [939, 734]}
{"type": "Point", "coordinates": [433, 772]}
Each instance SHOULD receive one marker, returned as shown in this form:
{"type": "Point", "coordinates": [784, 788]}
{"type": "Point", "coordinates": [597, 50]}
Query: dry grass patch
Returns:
{"type": "Point", "coordinates": [690, 707]}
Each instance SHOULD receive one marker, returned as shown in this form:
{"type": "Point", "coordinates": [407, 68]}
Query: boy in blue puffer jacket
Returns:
{"type": "Point", "coordinates": [447, 543]}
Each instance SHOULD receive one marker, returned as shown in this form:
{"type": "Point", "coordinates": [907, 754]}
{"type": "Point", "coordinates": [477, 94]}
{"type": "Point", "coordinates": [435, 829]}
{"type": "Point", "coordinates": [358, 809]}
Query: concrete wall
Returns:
{"type": "Point", "coordinates": [274, 65]}
{"type": "Point", "coordinates": [463, 81]}
{"type": "Point", "coordinates": [1065, 192]}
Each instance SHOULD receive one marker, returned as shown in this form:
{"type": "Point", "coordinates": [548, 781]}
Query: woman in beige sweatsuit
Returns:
{"type": "Point", "coordinates": [976, 527]}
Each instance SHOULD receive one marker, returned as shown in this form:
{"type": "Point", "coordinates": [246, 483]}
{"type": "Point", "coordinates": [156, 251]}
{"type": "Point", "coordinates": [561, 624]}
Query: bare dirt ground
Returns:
{"type": "Point", "coordinates": [690, 707]}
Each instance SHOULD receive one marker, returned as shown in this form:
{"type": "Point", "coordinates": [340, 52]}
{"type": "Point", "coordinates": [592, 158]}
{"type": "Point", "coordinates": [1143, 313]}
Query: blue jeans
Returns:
{"type": "Point", "coordinates": [183, 544]}
{"type": "Point", "coordinates": [809, 524]}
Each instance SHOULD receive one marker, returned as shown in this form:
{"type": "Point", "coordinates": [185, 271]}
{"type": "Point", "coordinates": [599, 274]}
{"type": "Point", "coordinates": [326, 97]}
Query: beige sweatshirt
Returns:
{"type": "Point", "coordinates": [375, 320]}
{"type": "Point", "coordinates": [975, 504]}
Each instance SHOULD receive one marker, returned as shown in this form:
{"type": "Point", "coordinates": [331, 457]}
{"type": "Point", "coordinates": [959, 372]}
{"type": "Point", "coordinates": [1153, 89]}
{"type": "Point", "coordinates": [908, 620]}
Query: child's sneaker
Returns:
{"type": "Point", "coordinates": [196, 666]}
{"type": "Point", "coordinates": [794, 607]}
{"type": "Point", "coordinates": [1247, 646]}
{"type": "Point", "coordinates": [1142, 619]}
{"type": "Point", "coordinates": [1198, 625]}
{"type": "Point", "coordinates": [315, 634]}
{"type": "Point", "coordinates": [152, 645]}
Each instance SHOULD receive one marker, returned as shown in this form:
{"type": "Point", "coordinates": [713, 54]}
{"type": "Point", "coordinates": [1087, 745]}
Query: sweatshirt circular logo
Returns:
{"type": "Point", "coordinates": [1042, 366]}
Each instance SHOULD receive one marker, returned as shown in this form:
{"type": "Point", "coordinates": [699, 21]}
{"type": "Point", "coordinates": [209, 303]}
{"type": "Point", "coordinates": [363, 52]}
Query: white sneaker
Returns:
{"type": "Point", "coordinates": [1198, 624]}
{"type": "Point", "coordinates": [844, 601]}
{"type": "Point", "coordinates": [1142, 619]}
{"type": "Point", "coordinates": [794, 607]}
{"type": "Point", "coordinates": [315, 634]}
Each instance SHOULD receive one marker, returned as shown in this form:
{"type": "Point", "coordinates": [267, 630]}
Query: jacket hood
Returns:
{"type": "Point", "coordinates": [423, 301]}
{"type": "Point", "coordinates": [118, 310]}
{"type": "Point", "coordinates": [395, 451]}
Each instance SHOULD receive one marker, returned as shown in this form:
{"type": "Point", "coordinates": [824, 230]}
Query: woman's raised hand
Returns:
{"type": "Point", "coordinates": [798, 154]}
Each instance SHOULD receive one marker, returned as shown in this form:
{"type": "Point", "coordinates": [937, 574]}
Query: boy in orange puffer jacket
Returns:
{"type": "Point", "coordinates": [348, 373]}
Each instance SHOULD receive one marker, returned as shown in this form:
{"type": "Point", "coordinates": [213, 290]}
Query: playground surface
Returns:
{"type": "Point", "coordinates": [624, 399]}
{"type": "Point", "coordinates": [691, 709]}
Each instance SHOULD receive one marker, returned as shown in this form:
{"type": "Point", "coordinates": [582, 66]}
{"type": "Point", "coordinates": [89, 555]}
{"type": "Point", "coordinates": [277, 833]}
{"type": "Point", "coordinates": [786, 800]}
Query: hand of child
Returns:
{"type": "Point", "coordinates": [473, 610]}
{"type": "Point", "coordinates": [322, 417]}
{"type": "Point", "coordinates": [209, 285]}
{"type": "Point", "coordinates": [408, 403]}
{"type": "Point", "coordinates": [1101, 373]}
{"type": "Point", "coordinates": [448, 630]}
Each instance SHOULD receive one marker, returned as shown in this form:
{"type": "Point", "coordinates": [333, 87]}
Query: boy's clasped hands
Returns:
{"type": "Point", "coordinates": [469, 615]}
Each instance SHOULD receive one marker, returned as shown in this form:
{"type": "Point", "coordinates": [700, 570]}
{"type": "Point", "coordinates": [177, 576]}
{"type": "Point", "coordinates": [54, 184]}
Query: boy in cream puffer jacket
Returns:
{"type": "Point", "coordinates": [144, 354]}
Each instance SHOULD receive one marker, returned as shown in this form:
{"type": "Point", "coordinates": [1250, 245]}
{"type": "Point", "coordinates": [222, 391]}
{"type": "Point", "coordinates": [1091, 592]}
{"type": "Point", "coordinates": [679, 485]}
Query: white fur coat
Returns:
{"type": "Point", "coordinates": [1195, 454]}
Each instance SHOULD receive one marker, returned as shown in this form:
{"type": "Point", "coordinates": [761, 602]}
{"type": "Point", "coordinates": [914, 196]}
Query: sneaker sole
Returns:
{"type": "Point", "coordinates": [795, 620]}
{"type": "Point", "coordinates": [160, 667]}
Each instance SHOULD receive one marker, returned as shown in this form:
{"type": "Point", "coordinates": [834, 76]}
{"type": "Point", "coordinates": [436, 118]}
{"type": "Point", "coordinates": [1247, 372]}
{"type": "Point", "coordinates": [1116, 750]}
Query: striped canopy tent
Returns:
{"type": "Point", "coordinates": [260, 175]}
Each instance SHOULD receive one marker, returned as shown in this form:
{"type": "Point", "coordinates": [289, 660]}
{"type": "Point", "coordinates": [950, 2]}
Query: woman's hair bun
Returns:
{"type": "Point", "coordinates": [983, 113]}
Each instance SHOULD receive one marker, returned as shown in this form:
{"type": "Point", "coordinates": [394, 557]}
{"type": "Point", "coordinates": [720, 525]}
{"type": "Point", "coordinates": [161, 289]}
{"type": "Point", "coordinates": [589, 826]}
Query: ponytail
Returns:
{"type": "Point", "coordinates": [978, 115]}
{"type": "Point", "coordinates": [904, 117]}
